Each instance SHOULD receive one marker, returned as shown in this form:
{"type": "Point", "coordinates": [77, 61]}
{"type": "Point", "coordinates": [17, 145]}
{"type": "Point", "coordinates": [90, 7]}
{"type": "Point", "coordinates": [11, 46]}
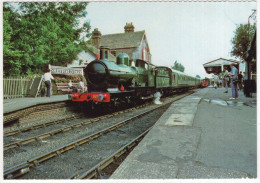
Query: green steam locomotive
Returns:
{"type": "Point", "coordinates": [127, 80]}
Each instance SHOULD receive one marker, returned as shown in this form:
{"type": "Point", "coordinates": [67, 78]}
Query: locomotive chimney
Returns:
{"type": "Point", "coordinates": [104, 53]}
{"type": "Point", "coordinates": [129, 27]}
{"type": "Point", "coordinates": [96, 37]}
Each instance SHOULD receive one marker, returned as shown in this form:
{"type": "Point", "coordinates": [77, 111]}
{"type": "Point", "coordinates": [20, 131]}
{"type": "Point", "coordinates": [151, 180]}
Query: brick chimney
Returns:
{"type": "Point", "coordinates": [129, 27]}
{"type": "Point", "coordinates": [96, 37]}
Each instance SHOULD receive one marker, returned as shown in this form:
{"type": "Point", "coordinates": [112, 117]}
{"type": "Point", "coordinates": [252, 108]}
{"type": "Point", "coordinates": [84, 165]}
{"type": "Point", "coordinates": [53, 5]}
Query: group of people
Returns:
{"type": "Point", "coordinates": [80, 86]}
{"type": "Point", "coordinates": [47, 77]}
{"type": "Point", "coordinates": [232, 78]}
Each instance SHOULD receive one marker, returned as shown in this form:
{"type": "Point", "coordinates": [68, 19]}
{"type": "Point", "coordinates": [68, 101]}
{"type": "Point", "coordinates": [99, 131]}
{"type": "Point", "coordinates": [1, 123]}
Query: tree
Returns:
{"type": "Point", "coordinates": [197, 76]}
{"type": "Point", "coordinates": [47, 33]}
{"type": "Point", "coordinates": [178, 66]}
{"type": "Point", "coordinates": [243, 35]}
{"type": "Point", "coordinates": [11, 55]}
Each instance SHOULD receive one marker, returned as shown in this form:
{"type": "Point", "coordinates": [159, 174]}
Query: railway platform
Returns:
{"type": "Point", "coordinates": [12, 105]}
{"type": "Point", "coordinates": [202, 136]}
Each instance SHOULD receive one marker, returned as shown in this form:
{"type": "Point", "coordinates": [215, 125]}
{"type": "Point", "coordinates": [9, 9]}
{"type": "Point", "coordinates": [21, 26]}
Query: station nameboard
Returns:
{"type": "Point", "coordinates": [66, 70]}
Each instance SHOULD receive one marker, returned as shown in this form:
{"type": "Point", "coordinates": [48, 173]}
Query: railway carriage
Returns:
{"type": "Point", "coordinates": [126, 81]}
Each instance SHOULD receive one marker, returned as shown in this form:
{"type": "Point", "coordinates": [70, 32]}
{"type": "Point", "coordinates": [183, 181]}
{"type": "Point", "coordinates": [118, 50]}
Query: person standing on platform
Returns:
{"type": "Point", "coordinates": [240, 81]}
{"type": "Point", "coordinates": [213, 81]}
{"type": "Point", "coordinates": [234, 76]}
{"type": "Point", "coordinates": [225, 80]}
{"type": "Point", "coordinates": [47, 77]}
{"type": "Point", "coordinates": [243, 83]}
{"type": "Point", "coordinates": [216, 80]}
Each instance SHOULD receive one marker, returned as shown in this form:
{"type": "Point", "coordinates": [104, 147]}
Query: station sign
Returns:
{"type": "Point", "coordinates": [66, 70]}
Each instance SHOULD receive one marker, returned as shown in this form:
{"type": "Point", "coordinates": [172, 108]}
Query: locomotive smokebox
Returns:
{"type": "Point", "coordinates": [104, 53]}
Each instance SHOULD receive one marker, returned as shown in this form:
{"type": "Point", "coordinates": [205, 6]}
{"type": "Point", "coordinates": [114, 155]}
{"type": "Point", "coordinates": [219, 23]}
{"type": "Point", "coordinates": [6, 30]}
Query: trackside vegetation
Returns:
{"type": "Point", "coordinates": [36, 34]}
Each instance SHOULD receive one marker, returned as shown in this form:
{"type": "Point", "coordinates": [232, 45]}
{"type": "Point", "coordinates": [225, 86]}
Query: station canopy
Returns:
{"type": "Point", "coordinates": [219, 65]}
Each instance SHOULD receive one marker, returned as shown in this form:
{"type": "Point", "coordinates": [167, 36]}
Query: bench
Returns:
{"type": "Point", "coordinates": [65, 88]}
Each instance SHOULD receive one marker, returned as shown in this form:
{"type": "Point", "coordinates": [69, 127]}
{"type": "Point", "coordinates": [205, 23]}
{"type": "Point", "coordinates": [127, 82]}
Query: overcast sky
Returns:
{"type": "Point", "coordinates": [192, 33]}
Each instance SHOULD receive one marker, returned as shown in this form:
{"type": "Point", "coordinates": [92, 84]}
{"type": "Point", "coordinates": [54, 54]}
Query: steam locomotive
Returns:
{"type": "Point", "coordinates": [128, 81]}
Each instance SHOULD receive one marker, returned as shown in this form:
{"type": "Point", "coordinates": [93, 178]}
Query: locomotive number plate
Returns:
{"type": "Point", "coordinates": [95, 96]}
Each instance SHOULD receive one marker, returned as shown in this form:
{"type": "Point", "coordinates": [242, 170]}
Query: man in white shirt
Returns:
{"type": "Point", "coordinates": [47, 77]}
{"type": "Point", "coordinates": [75, 90]}
{"type": "Point", "coordinates": [216, 78]}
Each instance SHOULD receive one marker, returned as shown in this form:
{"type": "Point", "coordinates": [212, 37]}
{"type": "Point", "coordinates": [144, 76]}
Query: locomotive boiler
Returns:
{"type": "Point", "coordinates": [103, 74]}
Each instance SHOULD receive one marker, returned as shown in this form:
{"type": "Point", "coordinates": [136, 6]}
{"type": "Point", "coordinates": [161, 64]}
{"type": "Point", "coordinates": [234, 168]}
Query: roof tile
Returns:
{"type": "Point", "coordinates": [122, 40]}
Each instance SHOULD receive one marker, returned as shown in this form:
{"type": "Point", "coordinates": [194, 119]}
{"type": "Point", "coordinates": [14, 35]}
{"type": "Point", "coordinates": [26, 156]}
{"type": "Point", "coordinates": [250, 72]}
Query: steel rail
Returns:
{"type": "Point", "coordinates": [8, 117]}
{"type": "Point", "coordinates": [10, 133]}
{"type": "Point", "coordinates": [95, 171]}
{"type": "Point", "coordinates": [63, 129]}
{"type": "Point", "coordinates": [22, 168]}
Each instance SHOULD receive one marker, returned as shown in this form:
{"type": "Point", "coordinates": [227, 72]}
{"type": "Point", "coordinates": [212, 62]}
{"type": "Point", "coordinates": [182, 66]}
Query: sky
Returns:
{"type": "Point", "coordinates": [192, 33]}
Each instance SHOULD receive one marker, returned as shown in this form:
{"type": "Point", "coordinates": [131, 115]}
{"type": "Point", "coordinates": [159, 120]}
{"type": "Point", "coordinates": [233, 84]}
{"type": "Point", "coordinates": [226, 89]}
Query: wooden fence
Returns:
{"type": "Point", "coordinates": [16, 87]}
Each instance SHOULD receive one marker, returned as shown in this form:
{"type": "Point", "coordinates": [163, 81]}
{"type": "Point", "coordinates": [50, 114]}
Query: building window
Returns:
{"type": "Point", "coordinates": [80, 62]}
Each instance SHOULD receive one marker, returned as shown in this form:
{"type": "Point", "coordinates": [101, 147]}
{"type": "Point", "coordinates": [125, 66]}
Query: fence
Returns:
{"type": "Point", "coordinates": [16, 87]}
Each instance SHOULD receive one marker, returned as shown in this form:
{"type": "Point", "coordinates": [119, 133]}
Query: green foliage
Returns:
{"type": "Point", "coordinates": [178, 66]}
{"type": "Point", "coordinates": [243, 35]}
{"type": "Point", "coordinates": [11, 55]}
{"type": "Point", "coordinates": [38, 34]}
{"type": "Point", "coordinates": [67, 78]}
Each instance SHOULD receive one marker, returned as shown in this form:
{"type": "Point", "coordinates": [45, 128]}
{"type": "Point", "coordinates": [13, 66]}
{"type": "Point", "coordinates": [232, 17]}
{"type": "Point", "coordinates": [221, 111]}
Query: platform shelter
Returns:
{"type": "Point", "coordinates": [219, 65]}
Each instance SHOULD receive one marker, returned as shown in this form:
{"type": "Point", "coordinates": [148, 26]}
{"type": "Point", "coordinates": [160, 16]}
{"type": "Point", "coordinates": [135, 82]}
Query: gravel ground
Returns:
{"type": "Point", "coordinates": [31, 133]}
{"type": "Point", "coordinates": [40, 118]}
{"type": "Point", "coordinates": [18, 155]}
{"type": "Point", "coordinates": [86, 156]}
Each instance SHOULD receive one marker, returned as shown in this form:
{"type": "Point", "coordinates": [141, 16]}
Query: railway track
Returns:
{"type": "Point", "coordinates": [96, 171]}
{"type": "Point", "coordinates": [34, 127]}
{"type": "Point", "coordinates": [42, 136]}
{"type": "Point", "coordinates": [57, 131]}
{"type": "Point", "coordinates": [25, 167]}
{"type": "Point", "coordinates": [15, 116]}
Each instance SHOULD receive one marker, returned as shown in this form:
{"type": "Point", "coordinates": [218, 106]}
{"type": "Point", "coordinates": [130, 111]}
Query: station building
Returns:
{"type": "Point", "coordinates": [85, 57]}
{"type": "Point", "coordinates": [135, 44]}
{"type": "Point", "coordinates": [220, 65]}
